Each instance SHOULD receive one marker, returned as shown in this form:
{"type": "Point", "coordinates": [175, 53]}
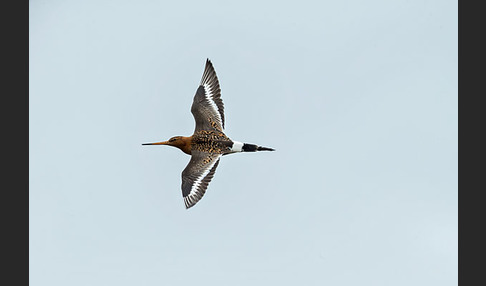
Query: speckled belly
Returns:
{"type": "Point", "coordinates": [211, 142]}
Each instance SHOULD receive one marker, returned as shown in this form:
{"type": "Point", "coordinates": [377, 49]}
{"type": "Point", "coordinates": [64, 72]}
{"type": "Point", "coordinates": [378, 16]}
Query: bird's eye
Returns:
{"type": "Point", "coordinates": [172, 139]}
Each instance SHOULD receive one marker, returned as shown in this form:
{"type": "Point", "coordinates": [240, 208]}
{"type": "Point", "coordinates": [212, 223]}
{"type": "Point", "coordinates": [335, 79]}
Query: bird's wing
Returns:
{"type": "Point", "coordinates": [207, 106]}
{"type": "Point", "coordinates": [197, 175]}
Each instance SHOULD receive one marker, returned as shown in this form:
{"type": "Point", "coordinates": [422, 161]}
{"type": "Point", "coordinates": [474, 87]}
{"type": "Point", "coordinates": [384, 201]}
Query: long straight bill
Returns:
{"type": "Point", "coordinates": [157, 143]}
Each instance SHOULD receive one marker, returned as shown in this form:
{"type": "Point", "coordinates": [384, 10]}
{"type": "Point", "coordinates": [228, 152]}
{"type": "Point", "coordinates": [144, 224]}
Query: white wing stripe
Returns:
{"type": "Point", "coordinates": [195, 186]}
{"type": "Point", "coordinates": [209, 96]}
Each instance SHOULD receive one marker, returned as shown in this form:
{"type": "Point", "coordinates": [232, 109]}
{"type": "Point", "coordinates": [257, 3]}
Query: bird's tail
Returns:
{"type": "Point", "coordinates": [247, 147]}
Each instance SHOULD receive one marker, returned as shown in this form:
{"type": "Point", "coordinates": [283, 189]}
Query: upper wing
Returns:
{"type": "Point", "coordinates": [197, 175]}
{"type": "Point", "coordinates": [207, 106]}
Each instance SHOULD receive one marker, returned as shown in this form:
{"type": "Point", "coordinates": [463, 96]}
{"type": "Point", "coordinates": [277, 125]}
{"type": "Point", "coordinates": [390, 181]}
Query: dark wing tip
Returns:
{"type": "Point", "coordinates": [209, 74]}
{"type": "Point", "coordinates": [209, 64]}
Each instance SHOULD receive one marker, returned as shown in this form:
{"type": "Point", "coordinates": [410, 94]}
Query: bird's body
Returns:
{"type": "Point", "coordinates": [208, 142]}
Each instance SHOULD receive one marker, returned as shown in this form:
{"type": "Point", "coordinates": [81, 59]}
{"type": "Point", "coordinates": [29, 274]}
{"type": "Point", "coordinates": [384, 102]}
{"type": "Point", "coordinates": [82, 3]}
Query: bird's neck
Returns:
{"type": "Point", "coordinates": [185, 144]}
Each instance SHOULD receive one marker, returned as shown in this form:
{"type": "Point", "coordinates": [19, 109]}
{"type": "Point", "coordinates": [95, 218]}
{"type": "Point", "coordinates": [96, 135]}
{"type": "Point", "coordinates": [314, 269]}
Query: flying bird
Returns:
{"type": "Point", "coordinates": [208, 143]}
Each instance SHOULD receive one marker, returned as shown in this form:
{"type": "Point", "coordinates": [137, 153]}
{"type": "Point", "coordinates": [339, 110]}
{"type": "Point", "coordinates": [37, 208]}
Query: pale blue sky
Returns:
{"type": "Point", "coordinates": [358, 97]}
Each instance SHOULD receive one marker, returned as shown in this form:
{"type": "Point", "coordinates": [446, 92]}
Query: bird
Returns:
{"type": "Point", "coordinates": [208, 143]}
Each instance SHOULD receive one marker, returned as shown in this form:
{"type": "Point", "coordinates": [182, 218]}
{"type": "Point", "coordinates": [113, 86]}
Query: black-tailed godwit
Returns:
{"type": "Point", "coordinates": [208, 143]}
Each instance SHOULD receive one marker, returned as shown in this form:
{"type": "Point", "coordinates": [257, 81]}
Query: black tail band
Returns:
{"type": "Point", "coordinates": [253, 148]}
{"type": "Point", "coordinates": [260, 148]}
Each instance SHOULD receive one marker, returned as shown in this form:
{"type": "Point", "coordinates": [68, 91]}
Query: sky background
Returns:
{"type": "Point", "coordinates": [359, 98]}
